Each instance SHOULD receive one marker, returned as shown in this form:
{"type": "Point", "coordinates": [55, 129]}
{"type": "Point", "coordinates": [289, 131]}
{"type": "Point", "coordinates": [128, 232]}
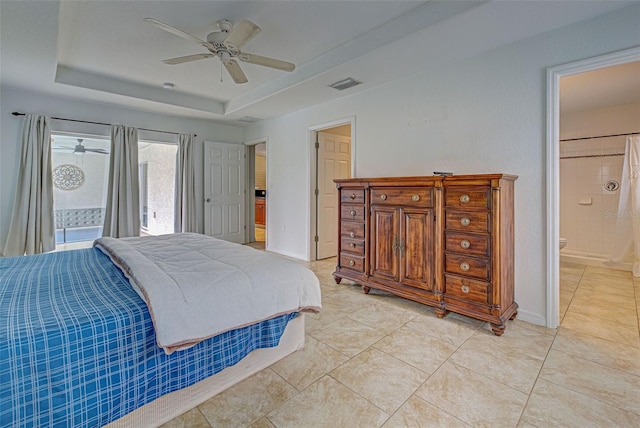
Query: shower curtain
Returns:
{"type": "Point", "coordinates": [627, 240]}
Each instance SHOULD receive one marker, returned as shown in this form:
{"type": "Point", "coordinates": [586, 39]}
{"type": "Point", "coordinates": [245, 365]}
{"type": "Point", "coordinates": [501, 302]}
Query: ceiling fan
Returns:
{"type": "Point", "coordinates": [226, 44]}
{"type": "Point", "coordinates": [80, 149]}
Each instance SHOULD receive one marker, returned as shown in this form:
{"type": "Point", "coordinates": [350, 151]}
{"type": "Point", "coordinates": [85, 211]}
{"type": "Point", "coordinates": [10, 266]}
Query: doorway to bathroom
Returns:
{"type": "Point", "coordinates": [593, 104]}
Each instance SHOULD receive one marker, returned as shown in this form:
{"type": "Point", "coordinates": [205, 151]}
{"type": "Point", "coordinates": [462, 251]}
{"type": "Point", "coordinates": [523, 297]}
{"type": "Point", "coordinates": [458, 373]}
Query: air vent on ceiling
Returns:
{"type": "Point", "coordinates": [344, 84]}
{"type": "Point", "coordinates": [249, 119]}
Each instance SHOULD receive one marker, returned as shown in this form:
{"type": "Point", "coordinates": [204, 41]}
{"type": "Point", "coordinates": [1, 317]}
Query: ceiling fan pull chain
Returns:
{"type": "Point", "coordinates": [221, 72]}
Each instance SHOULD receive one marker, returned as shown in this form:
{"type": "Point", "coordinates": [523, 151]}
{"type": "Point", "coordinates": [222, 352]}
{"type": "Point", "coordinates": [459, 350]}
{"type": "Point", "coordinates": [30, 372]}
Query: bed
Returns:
{"type": "Point", "coordinates": [79, 345]}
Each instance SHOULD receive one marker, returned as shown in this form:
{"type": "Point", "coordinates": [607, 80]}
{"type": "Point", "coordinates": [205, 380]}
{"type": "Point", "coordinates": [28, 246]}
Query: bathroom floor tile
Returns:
{"type": "Point", "coordinates": [604, 329]}
{"type": "Point", "coordinates": [611, 354]}
{"type": "Point", "coordinates": [605, 312]}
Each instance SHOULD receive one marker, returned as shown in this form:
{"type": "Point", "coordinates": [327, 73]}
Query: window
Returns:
{"type": "Point", "coordinates": [157, 170]}
{"type": "Point", "coordinates": [80, 166]}
{"type": "Point", "coordinates": [143, 172]}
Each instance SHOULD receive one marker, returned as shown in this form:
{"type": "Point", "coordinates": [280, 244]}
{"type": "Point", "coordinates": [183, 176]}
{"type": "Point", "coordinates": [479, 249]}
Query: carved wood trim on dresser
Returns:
{"type": "Point", "coordinates": [446, 242]}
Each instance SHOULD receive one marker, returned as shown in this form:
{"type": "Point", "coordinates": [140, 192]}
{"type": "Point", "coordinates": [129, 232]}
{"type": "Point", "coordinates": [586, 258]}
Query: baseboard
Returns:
{"type": "Point", "coordinates": [532, 317]}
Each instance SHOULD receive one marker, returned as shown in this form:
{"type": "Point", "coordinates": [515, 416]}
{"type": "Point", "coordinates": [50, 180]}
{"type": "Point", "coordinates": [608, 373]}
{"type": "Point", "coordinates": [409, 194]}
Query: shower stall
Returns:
{"type": "Point", "coordinates": [592, 157]}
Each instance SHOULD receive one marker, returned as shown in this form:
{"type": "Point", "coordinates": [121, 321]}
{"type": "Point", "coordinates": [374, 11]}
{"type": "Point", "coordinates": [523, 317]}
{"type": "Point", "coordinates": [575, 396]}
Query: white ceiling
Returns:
{"type": "Point", "coordinates": [103, 51]}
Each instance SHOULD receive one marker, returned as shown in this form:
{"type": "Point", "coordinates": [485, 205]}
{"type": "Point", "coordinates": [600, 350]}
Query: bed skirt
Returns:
{"type": "Point", "coordinates": [169, 406]}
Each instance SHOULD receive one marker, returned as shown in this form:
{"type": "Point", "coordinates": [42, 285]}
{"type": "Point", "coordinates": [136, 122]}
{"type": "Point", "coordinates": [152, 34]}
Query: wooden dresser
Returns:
{"type": "Point", "coordinates": [446, 242]}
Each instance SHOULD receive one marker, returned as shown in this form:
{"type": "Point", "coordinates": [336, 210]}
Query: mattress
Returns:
{"type": "Point", "coordinates": [77, 344]}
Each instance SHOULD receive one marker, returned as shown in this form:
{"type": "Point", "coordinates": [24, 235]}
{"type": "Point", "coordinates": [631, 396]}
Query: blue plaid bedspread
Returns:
{"type": "Point", "coordinates": [78, 349]}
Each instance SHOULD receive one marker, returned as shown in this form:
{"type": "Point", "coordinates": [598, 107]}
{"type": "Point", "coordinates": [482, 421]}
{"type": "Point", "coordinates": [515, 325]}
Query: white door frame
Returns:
{"type": "Point", "coordinates": [250, 198]}
{"type": "Point", "coordinates": [312, 168]}
{"type": "Point", "coordinates": [554, 74]}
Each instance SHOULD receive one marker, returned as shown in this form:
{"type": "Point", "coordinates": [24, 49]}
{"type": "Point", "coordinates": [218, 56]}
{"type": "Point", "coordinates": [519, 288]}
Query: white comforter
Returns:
{"type": "Point", "coordinates": [197, 286]}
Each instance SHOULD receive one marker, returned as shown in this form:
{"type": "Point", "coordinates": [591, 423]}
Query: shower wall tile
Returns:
{"type": "Point", "coordinates": [591, 228]}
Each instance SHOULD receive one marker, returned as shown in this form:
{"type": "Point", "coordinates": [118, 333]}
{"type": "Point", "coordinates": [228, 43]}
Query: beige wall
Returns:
{"type": "Point", "coordinates": [261, 172]}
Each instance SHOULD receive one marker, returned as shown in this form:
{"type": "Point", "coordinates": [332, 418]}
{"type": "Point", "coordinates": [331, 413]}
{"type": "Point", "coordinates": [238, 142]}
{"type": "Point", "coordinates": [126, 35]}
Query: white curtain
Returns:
{"type": "Point", "coordinates": [122, 216]}
{"type": "Point", "coordinates": [627, 239]}
{"type": "Point", "coordinates": [185, 218]}
{"type": "Point", "coordinates": [32, 228]}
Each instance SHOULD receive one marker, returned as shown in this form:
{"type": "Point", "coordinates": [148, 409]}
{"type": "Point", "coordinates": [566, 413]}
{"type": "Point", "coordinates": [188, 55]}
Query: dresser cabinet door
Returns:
{"type": "Point", "coordinates": [385, 242]}
{"type": "Point", "coordinates": [416, 252]}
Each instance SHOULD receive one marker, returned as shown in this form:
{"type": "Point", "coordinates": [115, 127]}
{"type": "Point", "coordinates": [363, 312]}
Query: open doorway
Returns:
{"type": "Point", "coordinates": [554, 151]}
{"type": "Point", "coordinates": [332, 158]}
{"type": "Point", "coordinates": [256, 194]}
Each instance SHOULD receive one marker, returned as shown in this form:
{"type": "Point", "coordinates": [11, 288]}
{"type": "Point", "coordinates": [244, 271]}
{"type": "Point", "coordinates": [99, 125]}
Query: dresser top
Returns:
{"type": "Point", "coordinates": [434, 180]}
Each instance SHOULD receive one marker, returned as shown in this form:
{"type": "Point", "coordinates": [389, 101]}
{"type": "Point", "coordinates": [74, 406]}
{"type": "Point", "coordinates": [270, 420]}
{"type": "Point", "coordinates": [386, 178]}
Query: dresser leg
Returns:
{"type": "Point", "coordinates": [440, 313]}
{"type": "Point", "coordinates": [337, 279]}
{"type": "Point", "coordinates": [512, 317]}
{"type": "Point", "coordinates": [366, 289]}
{"type": "Point", "coordinates": [498, 329]}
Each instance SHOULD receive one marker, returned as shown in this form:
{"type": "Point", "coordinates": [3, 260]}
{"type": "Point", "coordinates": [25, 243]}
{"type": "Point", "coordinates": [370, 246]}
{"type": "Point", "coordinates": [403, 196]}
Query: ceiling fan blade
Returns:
{"type": "Point", "coordinates": [168, 28]}
{"type": "Point", "coordinates": [266, 61]}
{"type": "Point", "coordinates": [180, 60]}
{"type": "Point", "coordinates": [101, 151]}
{"type": "Point", "coordinates": [235, 71]}
{"type": "Point", "coordinates": [242, 33]}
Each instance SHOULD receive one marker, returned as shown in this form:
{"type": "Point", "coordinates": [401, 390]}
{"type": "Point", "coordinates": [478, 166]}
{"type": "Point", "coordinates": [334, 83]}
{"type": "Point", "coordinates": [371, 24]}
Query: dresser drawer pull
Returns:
{"type": "Point", "coordinates": [465, 244]}
{"type": "Point", "coordinates": [353, 196]}
{"type": "Point", "coordinates": [465, 289]}
{"type": "Point", "coordinates": [465, 221]}
{"type": "Point", "coordinates": [352, 245]}
{"type": "Point", "coordinates": [383, 197]}
{"type": "Point", "coordinates": [352, 234]}
{"type": "Point", "coordinates": [351, 263]}
{"type": "Point", "coordinates": [465, 266]}
{"type": "Point", "coordinates": [352, 212]}
{"type": "Point", "coordinates": [465, 198]}
{"type": "Point", "coordinates": [415, 198]}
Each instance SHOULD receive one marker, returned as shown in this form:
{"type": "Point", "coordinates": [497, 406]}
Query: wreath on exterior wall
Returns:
{"type": "Point", "coordinates": [68, 177]}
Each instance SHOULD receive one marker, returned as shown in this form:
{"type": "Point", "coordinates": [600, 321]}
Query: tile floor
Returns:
{"type": "Point", "coordinates": [377, 360]}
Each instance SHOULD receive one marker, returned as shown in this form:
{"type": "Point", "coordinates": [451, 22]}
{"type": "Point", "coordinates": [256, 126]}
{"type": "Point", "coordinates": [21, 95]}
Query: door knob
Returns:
{"type": "Point", "coordinates": [208, 199]}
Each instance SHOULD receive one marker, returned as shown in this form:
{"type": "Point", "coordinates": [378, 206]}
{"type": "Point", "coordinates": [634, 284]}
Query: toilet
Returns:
{"type": "Point", "coordinates": [563, 243]}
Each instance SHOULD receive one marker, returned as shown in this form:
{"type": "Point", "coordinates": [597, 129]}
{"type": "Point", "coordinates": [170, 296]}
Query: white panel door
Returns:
{"type": "Point", "coordinates": [334, 161]}
{"type": "Point", "coordinates": [224, 191]}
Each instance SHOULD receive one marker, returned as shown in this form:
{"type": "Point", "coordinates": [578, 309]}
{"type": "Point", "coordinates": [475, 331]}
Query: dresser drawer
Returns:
{"type": "Point", "coordinates": [355, 246]}
{"type": "Point", "coordinates": [465, 243]}
{"type": "Point", "coordinates": [348, 261]}
{"type": "Point", "coordinates": [352, 212]}
{"type": "Point", "coordinates": [467, 266]}
{"type": "Point", "coordinates": [405, 196]}
{"type": "Point", "coordinates": [352, 195]}
{"type": "Point", "coordinates": [466, 289]}
{"type": "Point", "coordinates": [467, 221]}
{"type": "Point", "coordinates": [352, 230]}
{"type": "Point", "coordinates": [466, 198]}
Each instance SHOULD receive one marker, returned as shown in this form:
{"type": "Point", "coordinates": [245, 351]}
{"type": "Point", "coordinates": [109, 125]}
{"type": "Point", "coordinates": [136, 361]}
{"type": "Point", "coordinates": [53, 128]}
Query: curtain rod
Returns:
{"type": "Point", "coordinates": [600, 136]}
{"type": "Point", "coordinates": [15, 113]}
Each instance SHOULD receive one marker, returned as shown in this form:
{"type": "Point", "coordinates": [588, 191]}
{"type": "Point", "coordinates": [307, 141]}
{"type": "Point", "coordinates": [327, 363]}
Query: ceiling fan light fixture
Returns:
{"type": "Point", "coordinates": [345, 84]}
